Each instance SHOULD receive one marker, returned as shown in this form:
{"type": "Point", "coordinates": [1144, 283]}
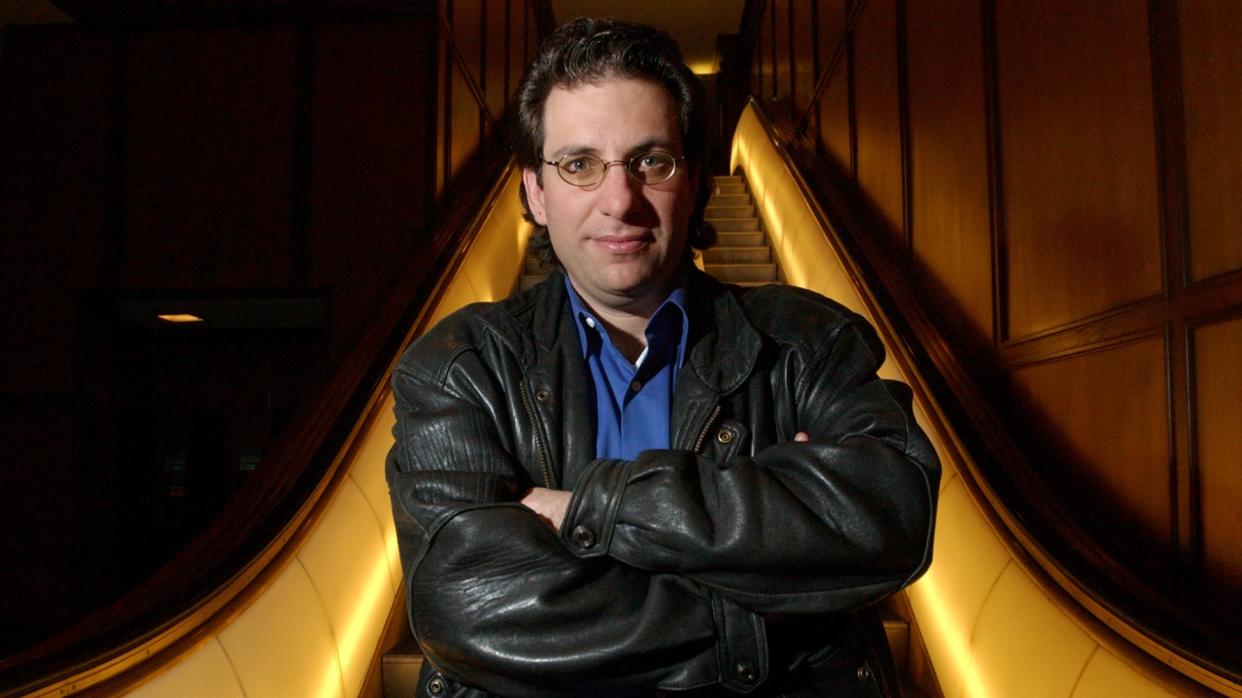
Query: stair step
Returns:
{"type": "Point", "coordinates": [399, 668]}
{"type": "Point", "coordinates": [729, 200]}
{"type": "Point", "coordinates": [732, 211]}
{"type": "Point", "coordinates": [729, 188]}
{"type": "Point", "coordinates": [720, 254]}
{"type": "Point", "coordinates": [728, 179]}
{"type": "Point", "coordinates": [743, 272]}
{"type": "Point", "coordinates": [897, 630]}
{"type": "Point", "coordinates": [735, 238]}
{"type": "Point", "coordinates": [735, 224]}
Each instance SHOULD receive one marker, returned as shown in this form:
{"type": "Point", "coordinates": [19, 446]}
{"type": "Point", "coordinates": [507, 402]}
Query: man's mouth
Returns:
{"type": "Point", "coordinates": [623, 244]}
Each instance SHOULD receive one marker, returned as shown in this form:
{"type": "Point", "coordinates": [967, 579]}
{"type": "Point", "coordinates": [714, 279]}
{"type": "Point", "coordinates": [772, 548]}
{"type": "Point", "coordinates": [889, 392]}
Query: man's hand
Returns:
{"type": "Point", "coordinates": [550, 505]}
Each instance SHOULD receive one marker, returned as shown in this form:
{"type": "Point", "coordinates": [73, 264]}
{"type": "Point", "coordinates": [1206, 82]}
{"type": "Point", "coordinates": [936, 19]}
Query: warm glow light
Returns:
{"type": "Point", "coordinates": [495, 258]}
{"type": "Point", "coordinates": [943, 633]}
{"type": "Point", "coordinates": [180, 317]}
{"type": "Point", "coordinates": [330, 685]}
{"type": "Point", "coordinates": [703, 67]}
{"type": "Point", "coordinates": [354, 644]}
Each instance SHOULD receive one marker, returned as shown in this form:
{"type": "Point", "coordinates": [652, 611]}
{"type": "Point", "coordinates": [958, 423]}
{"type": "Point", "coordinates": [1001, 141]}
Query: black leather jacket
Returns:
{"type": "Point", "coordinates": [730, 561]}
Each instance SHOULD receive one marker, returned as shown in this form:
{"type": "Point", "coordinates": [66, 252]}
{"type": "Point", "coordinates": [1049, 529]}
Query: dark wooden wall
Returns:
{"type": "Point", "coordinates": [211, 152]}
{"type": "Point", "coordinates": [1064, 179]}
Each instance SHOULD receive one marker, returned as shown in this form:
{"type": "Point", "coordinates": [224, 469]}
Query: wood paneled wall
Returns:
{"type": "Point", "coordinates": [1062, 179]}
{"type": "Point", "coordinates": [219, 149]}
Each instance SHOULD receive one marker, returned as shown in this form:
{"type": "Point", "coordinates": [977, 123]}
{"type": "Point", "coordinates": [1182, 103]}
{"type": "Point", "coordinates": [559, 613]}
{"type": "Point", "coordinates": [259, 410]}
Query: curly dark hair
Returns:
{"type": "Point", "coordinates": [590, 50]}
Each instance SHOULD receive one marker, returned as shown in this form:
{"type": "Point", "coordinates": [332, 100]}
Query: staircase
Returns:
{"type": "Point", "coordinates": [741, 254]}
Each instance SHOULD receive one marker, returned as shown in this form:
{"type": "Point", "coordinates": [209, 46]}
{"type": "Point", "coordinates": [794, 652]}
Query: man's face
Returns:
{"type": "Point", "coordinates": [620, 242]}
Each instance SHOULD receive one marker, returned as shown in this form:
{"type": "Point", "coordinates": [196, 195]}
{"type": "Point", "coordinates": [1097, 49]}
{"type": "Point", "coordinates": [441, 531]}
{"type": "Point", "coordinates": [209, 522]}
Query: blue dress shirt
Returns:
{"type": "Point", "coordinates": [633, 402]}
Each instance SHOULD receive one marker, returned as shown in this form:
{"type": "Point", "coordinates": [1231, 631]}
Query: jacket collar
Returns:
{"type": "Point", "coordinates": [722, 348]}
{"type": "Point", "coordinates": [721, 354]}
{"type": "Point", "coordinates": [723, 345]}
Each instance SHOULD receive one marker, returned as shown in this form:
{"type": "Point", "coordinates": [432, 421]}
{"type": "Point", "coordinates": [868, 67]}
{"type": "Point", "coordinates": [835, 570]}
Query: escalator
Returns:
{"type": "Point", "coordinates": [318, 610]}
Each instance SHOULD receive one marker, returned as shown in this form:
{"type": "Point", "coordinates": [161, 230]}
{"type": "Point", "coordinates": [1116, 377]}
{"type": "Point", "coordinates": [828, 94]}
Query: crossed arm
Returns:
{"type": "Point", "coordinates": [550, 505]}
{"type": "Point", "coordinates": [691, 552]}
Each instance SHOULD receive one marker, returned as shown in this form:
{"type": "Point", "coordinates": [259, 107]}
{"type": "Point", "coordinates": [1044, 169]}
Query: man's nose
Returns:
{"type": "Point", "coordinates": [618, 191]}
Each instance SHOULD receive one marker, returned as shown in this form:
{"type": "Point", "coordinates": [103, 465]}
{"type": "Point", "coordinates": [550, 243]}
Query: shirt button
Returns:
{"type": "Point", "coordinates": [583, 537]}
{"type": "Point", "coordinates": [745, 672]}
{"type": "Point", "coordinates": [590, 321]}
{"type": "Point", "coordinates": [724, 436]}
{"type": "Point", "coordinates": [636, 386]}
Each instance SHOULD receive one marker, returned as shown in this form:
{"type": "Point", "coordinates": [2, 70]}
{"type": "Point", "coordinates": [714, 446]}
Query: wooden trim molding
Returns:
{"type": "Point", "coordinates": [996, 209]}
{"type": "Point", "coordinates": [476, 91]}
{"type": "Point", "coordinates": [839, 53]}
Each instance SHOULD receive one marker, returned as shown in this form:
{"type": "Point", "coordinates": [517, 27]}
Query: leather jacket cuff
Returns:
{"type": "Point", "coordinates": [742, 649]}
{"type": "Point", "coordinates": [592, 512]}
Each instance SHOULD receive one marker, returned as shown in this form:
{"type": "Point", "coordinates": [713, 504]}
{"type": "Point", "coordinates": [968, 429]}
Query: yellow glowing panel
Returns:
{"type": "Point", "coordinates": [947, 641]}
{"type": "Point", "coordinates": [367, 471]}
{"type": "Point", "coordinates": [496, 257]}
{"type": "Point", "coordinates": [494, 260]}
{"type": "Point", "coordinates": [204, 673]}
{"type": "Point", "coordinates": [348, 565]}
{"type": "Point", "coordinates": [1024, 644]}
{"type": "Point", "coordinates": [282, 645]}
{"type": "Point", "coordinates": [966, 563]}
{"type": "Point", "coordinates": [1108, 675]}
{"type": "Point", "coordinates": [180, 317]}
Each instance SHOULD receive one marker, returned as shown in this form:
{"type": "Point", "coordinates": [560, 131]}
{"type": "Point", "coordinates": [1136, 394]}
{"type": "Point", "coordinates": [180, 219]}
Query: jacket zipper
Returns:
{"type": "Point", "coordinates": [534, 425]}
{"type": "Point", "coordinates": [698, 444]}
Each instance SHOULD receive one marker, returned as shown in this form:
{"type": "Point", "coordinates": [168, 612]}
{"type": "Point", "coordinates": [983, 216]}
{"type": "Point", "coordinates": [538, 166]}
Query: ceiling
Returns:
{"type": "Point", "coordinates": [694, 23]}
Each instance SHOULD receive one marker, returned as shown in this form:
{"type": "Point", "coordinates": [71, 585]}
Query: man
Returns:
{"type": "Point", "coordinates": [632, 478]}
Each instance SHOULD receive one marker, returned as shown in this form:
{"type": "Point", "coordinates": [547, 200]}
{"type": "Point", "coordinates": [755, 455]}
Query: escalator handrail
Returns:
{"type": "Point", "coordinates": [962, 415]}
{"type": "Point", "coordinates": [323, 435]}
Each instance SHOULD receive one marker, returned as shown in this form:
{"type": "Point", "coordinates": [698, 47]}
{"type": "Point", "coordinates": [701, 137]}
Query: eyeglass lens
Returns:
{"type": "Point", "coordinates": [647, 168]}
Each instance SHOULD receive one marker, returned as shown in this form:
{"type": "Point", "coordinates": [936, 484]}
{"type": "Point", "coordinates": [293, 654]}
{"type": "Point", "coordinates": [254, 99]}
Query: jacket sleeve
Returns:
{"type": "Point", "coordinates": [828, 525]}
{"type": "Point", "coordinates": [495, 598]}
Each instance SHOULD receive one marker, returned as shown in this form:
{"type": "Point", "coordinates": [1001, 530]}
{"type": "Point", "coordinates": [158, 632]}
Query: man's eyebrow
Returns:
{"type": "Point", "coordinates": [573, 150]}
{"type": "Point", "coordinates": [642, 147]}
{"type": "Point", "coordinates": [650, 143]}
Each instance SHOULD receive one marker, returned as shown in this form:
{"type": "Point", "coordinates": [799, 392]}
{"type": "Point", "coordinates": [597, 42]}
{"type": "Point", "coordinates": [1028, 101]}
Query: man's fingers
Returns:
{"type": "Point", "coordinates": [802, 436]}
{"type": "Point", "coordinates": [550, 505]}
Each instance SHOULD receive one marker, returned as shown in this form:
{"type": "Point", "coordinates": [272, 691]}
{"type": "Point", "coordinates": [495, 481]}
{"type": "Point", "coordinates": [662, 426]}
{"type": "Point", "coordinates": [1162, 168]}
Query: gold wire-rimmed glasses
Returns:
{"type": "Point", "coordinates": [586, 170]}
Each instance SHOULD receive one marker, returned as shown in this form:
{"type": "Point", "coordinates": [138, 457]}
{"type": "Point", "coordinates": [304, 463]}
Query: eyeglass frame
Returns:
{"type": "Point", "coordinates": [625, 164]}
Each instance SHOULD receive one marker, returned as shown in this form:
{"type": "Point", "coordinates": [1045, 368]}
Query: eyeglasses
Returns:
{"type": "Point", "coordinates": [584, 170]}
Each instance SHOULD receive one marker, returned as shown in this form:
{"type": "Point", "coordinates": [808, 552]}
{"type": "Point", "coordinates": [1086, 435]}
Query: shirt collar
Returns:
{"type": "Point", "coordinates": [670, 322]}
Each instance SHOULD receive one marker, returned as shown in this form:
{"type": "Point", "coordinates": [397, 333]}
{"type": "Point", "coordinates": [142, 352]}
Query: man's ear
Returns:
{"type": "Point", "coordinates": [534, 196]}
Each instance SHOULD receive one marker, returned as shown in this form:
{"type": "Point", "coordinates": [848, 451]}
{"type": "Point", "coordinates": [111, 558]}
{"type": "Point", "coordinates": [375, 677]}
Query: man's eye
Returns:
{"type": "Point", "coordinates": [648, 161]}
{"type": "Point", "coordinates": [576, 165]}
